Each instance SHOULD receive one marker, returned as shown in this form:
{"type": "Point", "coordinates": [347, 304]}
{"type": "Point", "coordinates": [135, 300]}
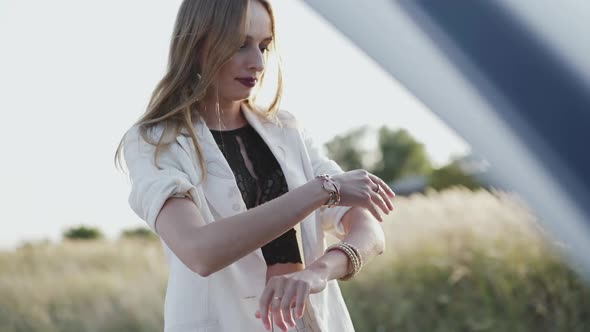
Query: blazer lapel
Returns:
{"type": "Point", "coordinates": [283, 142]}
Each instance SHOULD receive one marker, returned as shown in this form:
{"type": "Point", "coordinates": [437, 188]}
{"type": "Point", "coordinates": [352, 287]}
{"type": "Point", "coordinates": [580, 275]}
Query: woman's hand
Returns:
{"type": "Point", "coordinates": [363, 189]}
{"type": "Point", "coordinates": [292, 290]}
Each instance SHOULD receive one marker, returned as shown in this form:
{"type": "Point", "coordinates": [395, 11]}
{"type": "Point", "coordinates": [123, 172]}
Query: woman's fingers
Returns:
{"type": "Point", "coordinates": [282, 300]}
{"type": "Point", "coordinates": [287, 301]}
{"type": "Point", "coordinates": [278, 320]}
{"type": "Point", "coordinates": [302, 292]}
{"type": "Point", "coordinates": [385, 198]}
{"type": "Point", "coordinates": [372, 208]}
{"type": "Point", "coordinates": [383, 185]}
{"type": "Point", "coordinates": [378, 200]}
{"type": "Point", "coordinates": [276, 301]}
{"type": "Point", "coordinates": [266, 302]}
{"type": "Point", "coordinates": [384, 191]}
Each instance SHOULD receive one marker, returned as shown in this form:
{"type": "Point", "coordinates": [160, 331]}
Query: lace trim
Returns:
{"type": "Point", "coordinates": [260, 179]}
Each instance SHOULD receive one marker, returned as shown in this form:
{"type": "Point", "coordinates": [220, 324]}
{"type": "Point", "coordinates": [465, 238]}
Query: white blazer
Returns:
{"type": "Point", "coordinates": [228, 299]}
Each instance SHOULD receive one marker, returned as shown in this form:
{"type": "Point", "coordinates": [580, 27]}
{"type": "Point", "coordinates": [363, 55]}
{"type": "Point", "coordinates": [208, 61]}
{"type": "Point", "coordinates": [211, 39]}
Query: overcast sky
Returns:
{"type": "Point", "coordinates": [74, 75]}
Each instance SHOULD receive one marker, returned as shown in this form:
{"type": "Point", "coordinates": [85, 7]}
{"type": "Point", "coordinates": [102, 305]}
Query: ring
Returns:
{"type": "Point", "coordinates": [378, 188]}
{"type": "Point", "coordinates": [276, 298]}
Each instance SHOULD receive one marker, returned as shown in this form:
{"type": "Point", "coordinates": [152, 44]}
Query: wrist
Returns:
{"type": "Point", "coordinates": [321, 195]}
{"type": "Point", "coordinates": [332, 187]}
{"type": "Point", "coordinates": [331, 265]}
{"type": "Point", "coordinates": [321, 268]}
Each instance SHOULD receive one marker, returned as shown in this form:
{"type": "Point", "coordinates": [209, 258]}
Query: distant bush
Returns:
{"type": "Point", "coordinates": [83, 233]}
{"type": "Point", "coordinates": [452, 175]}
{"type": "Point", "coordinates": [37, 243]}
{"type": "Point", "coordinates": [139, 233]}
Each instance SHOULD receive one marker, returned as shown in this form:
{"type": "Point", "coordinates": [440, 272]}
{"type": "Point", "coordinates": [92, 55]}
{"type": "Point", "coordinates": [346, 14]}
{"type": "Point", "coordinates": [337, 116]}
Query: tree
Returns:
{"type": "Point", "coordinates": [345, 149]}
{"type": "Point", "coordinates": [82, 233]}
{"type": "Point", "coordinates": [401, 155]}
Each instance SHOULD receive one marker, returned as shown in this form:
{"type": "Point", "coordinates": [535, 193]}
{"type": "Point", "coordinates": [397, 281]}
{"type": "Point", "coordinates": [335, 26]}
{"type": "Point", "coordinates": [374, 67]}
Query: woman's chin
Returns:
{"type": "Point", "coordinates": [242, 96]}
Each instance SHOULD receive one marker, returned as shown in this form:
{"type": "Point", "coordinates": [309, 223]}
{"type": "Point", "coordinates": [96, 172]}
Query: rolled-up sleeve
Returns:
{"type": "Point", "coordinates": [331, 218]}
{"type": "Point", "coordinates": [151, 186]}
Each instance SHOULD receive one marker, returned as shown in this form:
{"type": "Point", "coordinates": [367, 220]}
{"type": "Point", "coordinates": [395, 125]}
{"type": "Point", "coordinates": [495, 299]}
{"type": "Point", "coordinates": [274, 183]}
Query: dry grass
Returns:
{"type": "Point", "coordinates": [463, 261]}
{"type": "Point", "coordinates": [455, 261]}
{"type": "Point", "coordinates": [83, 286]}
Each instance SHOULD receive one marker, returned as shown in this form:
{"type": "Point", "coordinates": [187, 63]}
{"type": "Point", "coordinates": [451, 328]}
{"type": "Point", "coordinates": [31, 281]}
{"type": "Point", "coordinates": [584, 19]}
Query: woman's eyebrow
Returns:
{"type": "Point", "coordinates": [269, 39]}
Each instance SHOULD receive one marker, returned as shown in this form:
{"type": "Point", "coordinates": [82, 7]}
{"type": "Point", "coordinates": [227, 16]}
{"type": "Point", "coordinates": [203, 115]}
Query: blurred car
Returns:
{"type": "Point", "coordinates": [511, 77]}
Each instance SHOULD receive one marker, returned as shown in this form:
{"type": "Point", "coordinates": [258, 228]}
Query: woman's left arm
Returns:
{"type": "Point", "coordinates": [362, 231]}
{"type": "Point", "coordinates": [354, 225]}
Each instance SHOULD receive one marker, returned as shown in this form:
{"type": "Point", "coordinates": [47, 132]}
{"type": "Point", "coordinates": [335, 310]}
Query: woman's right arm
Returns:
{"type": "Point", "coordinates": [207, 248]}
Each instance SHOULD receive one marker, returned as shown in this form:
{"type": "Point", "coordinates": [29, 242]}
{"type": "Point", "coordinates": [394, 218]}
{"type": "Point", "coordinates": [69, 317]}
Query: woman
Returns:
{"type": "Point", "coordinates": [241, 197]}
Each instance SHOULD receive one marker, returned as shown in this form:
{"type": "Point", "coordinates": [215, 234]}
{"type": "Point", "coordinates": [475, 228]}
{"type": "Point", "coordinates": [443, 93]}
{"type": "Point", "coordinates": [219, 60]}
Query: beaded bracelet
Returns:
{"type": "Point", "coordinates": [353, 255]}
{"type": "Point", "coordinates": [356, 251]}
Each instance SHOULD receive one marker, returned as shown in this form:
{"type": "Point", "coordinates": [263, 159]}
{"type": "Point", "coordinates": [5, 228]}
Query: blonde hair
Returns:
{"type": "Point", "coordinates": [206, 35]}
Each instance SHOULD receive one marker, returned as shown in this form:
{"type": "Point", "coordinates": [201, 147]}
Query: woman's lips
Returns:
{"type": "Point", "coordinates": [248, 82]}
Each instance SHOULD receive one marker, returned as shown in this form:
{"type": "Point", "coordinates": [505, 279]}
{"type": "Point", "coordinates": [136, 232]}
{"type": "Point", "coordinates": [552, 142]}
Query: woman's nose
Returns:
{"type": "Point", "coordinates": [257, 60]}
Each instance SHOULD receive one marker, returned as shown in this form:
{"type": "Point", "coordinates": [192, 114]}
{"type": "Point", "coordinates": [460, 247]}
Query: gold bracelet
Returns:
{"type": "Point", "coordinates": [353, 256]}
{"type": "Point", "coordinates": [357, 252]}
{"type": "Point", "coordinates": [357, 256]}
{"type": "Point", "coordinates": [355, 265]}
{"type": "Point", "coordinates": [333, 188]}
{"type": "Point", "coordinates": [350, 259]}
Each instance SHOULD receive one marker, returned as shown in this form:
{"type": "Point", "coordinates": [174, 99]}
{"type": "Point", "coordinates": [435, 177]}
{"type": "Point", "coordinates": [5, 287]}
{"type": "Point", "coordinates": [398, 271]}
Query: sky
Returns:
{"type": "Point", "coordinates": [75, 75]}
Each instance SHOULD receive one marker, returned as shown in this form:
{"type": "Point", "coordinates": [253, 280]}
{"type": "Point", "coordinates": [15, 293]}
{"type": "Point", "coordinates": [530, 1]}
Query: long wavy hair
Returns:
{"type": "Point", "coordinates": [206, 35]}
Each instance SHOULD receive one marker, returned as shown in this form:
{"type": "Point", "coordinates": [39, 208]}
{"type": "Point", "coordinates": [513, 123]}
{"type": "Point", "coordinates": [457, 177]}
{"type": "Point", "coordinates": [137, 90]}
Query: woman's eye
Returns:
{"type": "Point", "coordinates": [262, 49]}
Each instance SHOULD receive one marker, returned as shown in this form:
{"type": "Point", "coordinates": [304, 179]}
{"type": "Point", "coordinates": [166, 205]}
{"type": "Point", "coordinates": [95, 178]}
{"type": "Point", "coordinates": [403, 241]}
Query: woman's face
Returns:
{"type": "Point", "coordinates": [237, 78]}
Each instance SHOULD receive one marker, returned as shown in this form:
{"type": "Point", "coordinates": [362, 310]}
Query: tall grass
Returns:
{"type": "Point", "coordinates": [463, 261]}
{"type": "Point", "coordinates": [83, 286]}
{"type": "Point", "coordinates": [455, 261]}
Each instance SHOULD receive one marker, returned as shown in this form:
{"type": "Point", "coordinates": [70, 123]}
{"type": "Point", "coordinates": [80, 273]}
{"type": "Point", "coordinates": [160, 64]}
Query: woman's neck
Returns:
{"type": "Point", "coordinates": [229, 117]}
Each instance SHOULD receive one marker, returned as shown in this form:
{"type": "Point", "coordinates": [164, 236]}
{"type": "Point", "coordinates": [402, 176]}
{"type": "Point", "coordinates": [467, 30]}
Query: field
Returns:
{"type": "Point", "coordinates": [455, 261]}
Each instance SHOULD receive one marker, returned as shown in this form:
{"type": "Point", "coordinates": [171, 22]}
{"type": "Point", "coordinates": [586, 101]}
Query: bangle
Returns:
{"type": "Point", "coordinates": [357, 253]}
{"type": "Point", "coordinates": [353, 256]}
{"type": "Point", "coordinates": [333, 188]}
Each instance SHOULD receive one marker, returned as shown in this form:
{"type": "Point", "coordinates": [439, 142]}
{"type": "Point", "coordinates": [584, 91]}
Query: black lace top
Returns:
{"type": "Point", "coordinates": [260, 179]}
